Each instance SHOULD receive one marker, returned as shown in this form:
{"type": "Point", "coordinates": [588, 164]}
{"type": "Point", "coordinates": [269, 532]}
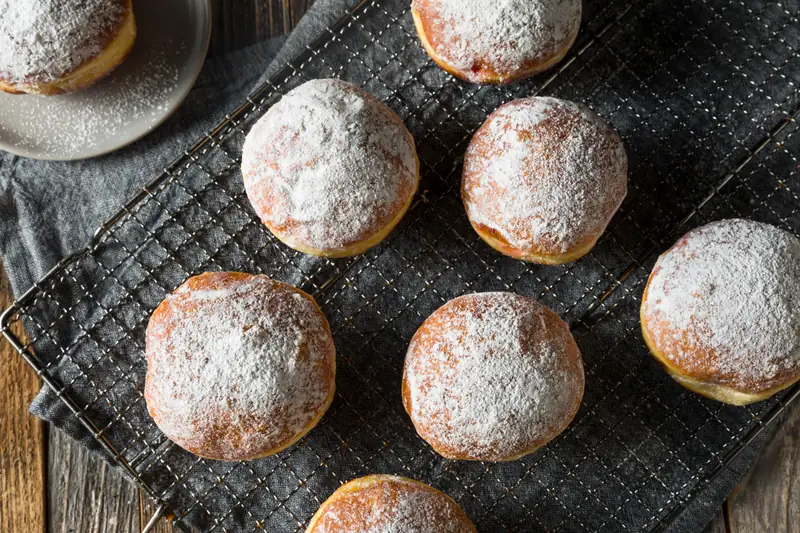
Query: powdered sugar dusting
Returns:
{"type": "Point", "coordinates": [90, 118]}
{"type": "Point", "coordinates": [329, 165]}
{"type": "Point", "coordinates": [501, 34]}
{"type": "Point", "coordinates": [544, 172]}
{"type": "Point", "coordinates": [237, 367]}
{"type": "Point", "coordinates": [391, 504]}
{"type": "Point", "coordinates": [730, 289]}
{"type": "Point", "coordinates": [494, 375]}
{"type": "Point", "coordinates": [42, 40]}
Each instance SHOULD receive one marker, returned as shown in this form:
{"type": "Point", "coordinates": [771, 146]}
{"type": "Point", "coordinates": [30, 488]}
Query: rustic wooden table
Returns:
{"type": "Point", "coordinates": [49, 484]}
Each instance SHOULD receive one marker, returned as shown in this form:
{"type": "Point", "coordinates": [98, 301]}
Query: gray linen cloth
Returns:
{"type": "Point", "coordinates": [50, 209]}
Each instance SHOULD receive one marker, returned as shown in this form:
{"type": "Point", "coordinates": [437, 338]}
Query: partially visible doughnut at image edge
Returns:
{"type": "Point", "coordinates": [330, 169]}
{"type": "Point", "coordinates": [239, 366]}
{"type": "Point", "coordinates": [543, 178]}
{"type": "Point", "coordinates": [492, 377]}
{"type": "Point", "coordinates": [496, 41]}
{"type": "Point", "coordinates": [721, 311]}
{"type": "Point", "coordinates": [389, 504]}
{"type": "Point", "coordinates": [51, 47]}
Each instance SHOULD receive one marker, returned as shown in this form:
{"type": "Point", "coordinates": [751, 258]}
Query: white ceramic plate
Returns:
{"type": "Point", "coordinates": [171, 44]}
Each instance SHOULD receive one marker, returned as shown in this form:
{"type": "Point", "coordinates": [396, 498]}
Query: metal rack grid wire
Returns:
{"type": "Point", "coordinates": [704, 95]}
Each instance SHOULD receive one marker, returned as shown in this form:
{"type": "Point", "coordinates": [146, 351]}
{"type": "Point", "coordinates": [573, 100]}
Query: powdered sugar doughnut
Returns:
{"type": "Point", "coordinates": [389, 504]}
{"type": "Point", "coordinates": [498, 41]}
{"type": "Point", "coordinates": [330, 169]}
{"type": "Point", "coordinates": [238, 366]}
{"type": "Point", "coordinates": [542, 179]}
{"type": "Point", "coordinates": [721, 311]}
{"type": "Point", "coordinates": [492, 377]}
{"type": "Point", "coordinates": [55, 46]}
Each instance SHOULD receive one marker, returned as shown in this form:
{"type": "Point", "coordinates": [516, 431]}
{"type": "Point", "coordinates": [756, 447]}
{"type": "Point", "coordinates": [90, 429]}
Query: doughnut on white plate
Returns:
{"type": "Point", "coordinates": [171, 44]}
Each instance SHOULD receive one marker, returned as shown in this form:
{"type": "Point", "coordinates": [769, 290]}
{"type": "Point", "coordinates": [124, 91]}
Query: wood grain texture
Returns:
{"type": "Point", "coordinates": [22, 440]}
{"type": "Point", "coordinates": [769, 499]}
{"type": "Point", "coordinates": [297, 8]}
{"type": "Point", "coordinates": [146, 510]}
{"type": "Point", "coordinates": [85, 494]}
{"type": "Point", "coordinates": [718, 524]}
{"type": "Point", "coordinates": [239, 23]}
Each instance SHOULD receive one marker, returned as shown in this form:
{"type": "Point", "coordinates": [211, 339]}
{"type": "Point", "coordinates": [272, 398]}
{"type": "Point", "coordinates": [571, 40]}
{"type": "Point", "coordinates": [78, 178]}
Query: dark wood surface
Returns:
{"type": "Point", "coordinates": [769, 499]}
{"type": "Point", "coordinates": [718, 524]}
{"type": "Point", "coordinates": [51, 484]}
{"type": "Point", "coordinates": [22, 441]}
{"type": "Point", "coordinates": [238, 23]}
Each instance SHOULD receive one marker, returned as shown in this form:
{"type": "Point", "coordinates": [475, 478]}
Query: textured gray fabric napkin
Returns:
{"type": "Point", "coordinates": [50, 209]}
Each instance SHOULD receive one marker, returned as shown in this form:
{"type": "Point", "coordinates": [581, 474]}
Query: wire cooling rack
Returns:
{"type": "Point", "coordinates": [704, 95]}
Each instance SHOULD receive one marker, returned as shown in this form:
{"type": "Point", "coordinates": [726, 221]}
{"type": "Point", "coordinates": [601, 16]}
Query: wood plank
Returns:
{"type": "Point", "coordinates": [146, 510]}
{"type": "Point", "coordinates": [22, 440]}
{"type": "Point", "coordinates": [769, 499]}
{"type": "Point", "coordinates": [297, 8]}
{"type": "Point", "coordinates": [245, 22]}
{"type": "Point", "coordinates": [86, 494]}
{"type": "Point", "coordinates": [233, 25]}
{"type": "Point", "coordinates": [718, 524]}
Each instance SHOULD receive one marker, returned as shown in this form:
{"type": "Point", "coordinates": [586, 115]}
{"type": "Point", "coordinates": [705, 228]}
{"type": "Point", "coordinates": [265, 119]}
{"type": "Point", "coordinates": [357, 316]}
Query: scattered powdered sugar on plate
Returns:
{"type": "Point", "coordinates": [544, 172]}
{"type": "Point", "coordinates": [42, 40]}
{"type": "Point", "coordinates": [329, 165]}
{"type": "Point", "coordinates": [391, 504]}
{"type": "Point", "coordinates": [492, 375]}
{"type": "Point", "coordinates": [87, 119]}
{"type": "Point", "coordinates": [725, 300]}
{"type": "Point", "coordinates": [237, 365]}
{"type": "Point", "coordinates": [501, 34]}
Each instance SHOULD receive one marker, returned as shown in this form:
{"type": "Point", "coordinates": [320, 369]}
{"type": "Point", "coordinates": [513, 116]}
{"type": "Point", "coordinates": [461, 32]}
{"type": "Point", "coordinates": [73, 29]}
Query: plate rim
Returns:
{"type": "Point", "coordinates": [206, 43]}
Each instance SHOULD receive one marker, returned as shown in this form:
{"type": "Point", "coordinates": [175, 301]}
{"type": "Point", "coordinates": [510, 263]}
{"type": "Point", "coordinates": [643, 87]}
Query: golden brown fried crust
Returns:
{"type": "Point", "coordinates": [266, 200]}
{"type": "Point", "coordinates": [481, 72]}
{"type": "Point", "coordinates": [117, 42]}
{"type": "Point", "coordinates": [229, 430]}
{"type": "Point", "coordinates": [359, 247]}
{"type": "Point", "coordinates": [542, 254]}
{"type": "Point", "coordinates": [700, 374]}
{"type": "Point", "coordinates": [353, 507]}
{"type": "Point", "coordinates": [429, 334]}
{"type": "Point", "coordinates": [551, 133]}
